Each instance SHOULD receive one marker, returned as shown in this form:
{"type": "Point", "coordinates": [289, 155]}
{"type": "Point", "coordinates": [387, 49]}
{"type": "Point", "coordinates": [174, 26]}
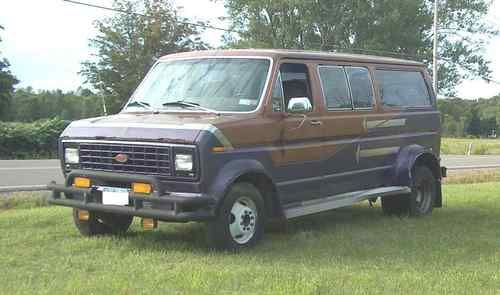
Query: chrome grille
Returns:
{"type": "Point", "coordinates": [142, 159]}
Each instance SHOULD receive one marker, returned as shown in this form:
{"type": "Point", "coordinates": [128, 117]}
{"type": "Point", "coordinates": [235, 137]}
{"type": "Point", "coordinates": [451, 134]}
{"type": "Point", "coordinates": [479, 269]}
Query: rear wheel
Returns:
{"type": "Point", "coordinates": [99, 223]}
{"type": "Point", "coordinates": [420, 201]}
{"type": "Point", "coordinates": [241, 219]}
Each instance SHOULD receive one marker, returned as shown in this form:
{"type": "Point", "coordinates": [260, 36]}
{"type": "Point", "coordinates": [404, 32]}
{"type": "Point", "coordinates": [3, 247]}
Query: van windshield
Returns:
{"type": "Point", "coordinates": [218, 84]}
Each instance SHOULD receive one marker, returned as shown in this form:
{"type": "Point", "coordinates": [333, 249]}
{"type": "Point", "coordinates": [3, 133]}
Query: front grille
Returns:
{"type": "Point", "coordinates": [142, 159]}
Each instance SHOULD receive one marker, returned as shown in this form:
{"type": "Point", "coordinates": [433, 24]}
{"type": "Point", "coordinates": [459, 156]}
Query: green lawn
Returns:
{"type": "Point", "coordinates": [348, 251]}
{"type": "Point", "coordinates": [459, 146]}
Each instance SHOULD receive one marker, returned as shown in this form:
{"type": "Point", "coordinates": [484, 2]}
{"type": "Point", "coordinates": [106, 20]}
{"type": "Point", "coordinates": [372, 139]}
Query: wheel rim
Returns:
{"type": "Point", "coordinates": [424, 196]}
{"type": "Point", "coordinates": [243, 220]}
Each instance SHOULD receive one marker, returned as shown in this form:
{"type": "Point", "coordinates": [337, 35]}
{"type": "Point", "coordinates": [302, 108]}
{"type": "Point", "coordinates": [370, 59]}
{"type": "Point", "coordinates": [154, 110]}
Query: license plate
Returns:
{"type": "Point", "coordinates": [114, 195]}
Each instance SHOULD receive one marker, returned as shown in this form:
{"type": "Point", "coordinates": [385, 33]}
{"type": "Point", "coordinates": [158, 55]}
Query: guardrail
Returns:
{"type": "Point", "coordinates": [23, 188]}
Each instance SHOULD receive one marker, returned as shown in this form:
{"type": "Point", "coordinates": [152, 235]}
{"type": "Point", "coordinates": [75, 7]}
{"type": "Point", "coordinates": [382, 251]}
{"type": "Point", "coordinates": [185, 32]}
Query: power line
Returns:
{"type": "Point", "coordinates": [140, 14]}
{"type": "Point", "coordinates": [352, 50]}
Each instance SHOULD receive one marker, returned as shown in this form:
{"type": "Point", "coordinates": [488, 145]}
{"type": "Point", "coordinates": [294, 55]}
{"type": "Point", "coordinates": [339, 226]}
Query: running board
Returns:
{"type": "Point", "coordinates": [342, 200]}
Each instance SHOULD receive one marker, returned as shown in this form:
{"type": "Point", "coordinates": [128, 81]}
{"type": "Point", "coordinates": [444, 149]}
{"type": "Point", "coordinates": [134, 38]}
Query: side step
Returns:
{"type": "Point", "coordinates": [342, 200]}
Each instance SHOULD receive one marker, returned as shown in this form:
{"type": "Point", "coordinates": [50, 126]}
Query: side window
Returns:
{"type": "Point", "coordinates": [361, 87]}
{"type": "Point", "coordinates": [295, 81]}
{"type": "Point", "coordinates": [403, 88]}
{"type": "Point", "coordinates": [335, 89]}
{"type": "Point", "coordinates": [277, 96]}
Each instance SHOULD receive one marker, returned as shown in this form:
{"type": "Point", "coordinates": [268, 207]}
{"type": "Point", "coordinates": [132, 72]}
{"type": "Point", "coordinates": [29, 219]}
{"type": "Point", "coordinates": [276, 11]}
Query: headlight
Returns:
{"type": "Point", "coordinates": [184, 162]}
{"type": "Point", "coordinates": [71, 156]}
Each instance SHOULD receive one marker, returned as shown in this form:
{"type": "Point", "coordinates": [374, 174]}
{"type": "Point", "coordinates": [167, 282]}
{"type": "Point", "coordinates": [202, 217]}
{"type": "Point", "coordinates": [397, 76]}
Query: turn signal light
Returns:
{"type": "Point", "coordinates": [141, 188]}
{"type": "Point", "coordinates": [82, 182]}
{"type": "Point", "coordinates": [218, 149]}
{"type": "Point", "coordinates": [149, 223]}
{"type": "Point", "coordinates": [83, 215]}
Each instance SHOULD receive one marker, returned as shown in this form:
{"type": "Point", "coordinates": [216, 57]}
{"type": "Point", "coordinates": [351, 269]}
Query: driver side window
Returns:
{"type": "Point", "coordinates": [294, 80]}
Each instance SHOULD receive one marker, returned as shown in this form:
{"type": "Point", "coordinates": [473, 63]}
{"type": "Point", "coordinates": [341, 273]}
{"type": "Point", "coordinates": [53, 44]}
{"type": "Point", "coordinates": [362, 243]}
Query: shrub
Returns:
{"type": "Point", "coordinates": [30, 140]}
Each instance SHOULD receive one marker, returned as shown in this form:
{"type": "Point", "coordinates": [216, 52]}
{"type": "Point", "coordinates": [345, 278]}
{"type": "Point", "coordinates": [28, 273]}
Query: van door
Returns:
{"type": "Point", "coordinates": [299, 168]}
{"type": "Point", "coordinates": [342, 129]}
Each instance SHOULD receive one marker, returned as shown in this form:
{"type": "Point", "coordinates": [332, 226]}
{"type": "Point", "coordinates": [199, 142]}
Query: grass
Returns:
{"type": "Point", "coordinates": [459, 146]}
{"type": "Point", "coordinates": [472, 176]}
{"type": "Point", "coordinates": [349, 251]}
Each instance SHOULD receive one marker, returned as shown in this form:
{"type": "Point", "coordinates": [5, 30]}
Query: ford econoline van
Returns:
{"type": "Point", "coordinates": [235, 138]}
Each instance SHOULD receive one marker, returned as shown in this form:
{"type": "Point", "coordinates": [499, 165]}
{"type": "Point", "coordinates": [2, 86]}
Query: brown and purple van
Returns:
{"type": "Point", "coordinates": [235, 138]}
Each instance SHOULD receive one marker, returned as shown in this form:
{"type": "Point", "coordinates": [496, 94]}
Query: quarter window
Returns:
{"type": "Point", "coordinates": [403, 88]}
{"type": "Point", "coordinates": [335, 88]}
{"type": "Point", "coordinates": [277, 98]}
{"type": "Point", "coordinates": [361, 87]}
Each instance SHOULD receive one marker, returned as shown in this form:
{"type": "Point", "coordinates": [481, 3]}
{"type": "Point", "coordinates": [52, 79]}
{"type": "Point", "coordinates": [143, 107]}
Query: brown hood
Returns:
{"type": "Point", "coordinates": [167, 127]}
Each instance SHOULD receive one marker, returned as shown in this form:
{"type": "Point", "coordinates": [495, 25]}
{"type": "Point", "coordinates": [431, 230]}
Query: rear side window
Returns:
{"type": "Point", "coordinates": [335, 89]}
{"type": "Point", "coordinates": [402, 88]}
{"type": "Point", "coordinates": [361, 87]}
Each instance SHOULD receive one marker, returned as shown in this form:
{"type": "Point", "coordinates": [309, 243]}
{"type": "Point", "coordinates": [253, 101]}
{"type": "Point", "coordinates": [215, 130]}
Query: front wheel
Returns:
{"type": "Point", "coordinates": [241, 219]}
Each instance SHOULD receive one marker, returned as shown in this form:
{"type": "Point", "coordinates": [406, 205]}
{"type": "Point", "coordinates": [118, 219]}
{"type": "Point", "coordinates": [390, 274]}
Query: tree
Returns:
{"type": "Point", "coordinates": [7, 82]}
{"type": "Point", "coordinates": [381, 27]}
{"type": "Point", "coordinates": [474, 126]}
{"type": "Point", "coordinates": [129, 43]}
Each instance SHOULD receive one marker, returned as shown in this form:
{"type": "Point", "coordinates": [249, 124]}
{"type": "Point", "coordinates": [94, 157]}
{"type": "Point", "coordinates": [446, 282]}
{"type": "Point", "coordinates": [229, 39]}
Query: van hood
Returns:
{"type": "Point", "coordinates": [163, 127]}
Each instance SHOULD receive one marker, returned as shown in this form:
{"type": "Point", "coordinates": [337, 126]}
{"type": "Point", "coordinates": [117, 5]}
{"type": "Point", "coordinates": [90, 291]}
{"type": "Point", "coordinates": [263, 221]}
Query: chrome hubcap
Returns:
{"type": "Point", "coordinates": [243, 220]}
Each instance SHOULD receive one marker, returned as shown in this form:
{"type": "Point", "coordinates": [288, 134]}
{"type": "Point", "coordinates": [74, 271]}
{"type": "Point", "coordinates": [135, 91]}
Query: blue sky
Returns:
{"type": "Point", "coordinates": [46, 40]}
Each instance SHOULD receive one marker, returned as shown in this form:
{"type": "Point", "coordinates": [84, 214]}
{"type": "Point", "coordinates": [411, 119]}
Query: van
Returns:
{"type": "Point", "coordinates": [239, 137]}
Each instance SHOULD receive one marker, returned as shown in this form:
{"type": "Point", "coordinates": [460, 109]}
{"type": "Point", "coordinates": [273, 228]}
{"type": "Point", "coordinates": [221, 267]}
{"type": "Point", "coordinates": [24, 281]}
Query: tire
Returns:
{"type": "Point", "coordinates": [420, 201]}
{"type": "Point", "coordinates": [102, 223]}
{"type": "Point", "coordinates": [240, 221]}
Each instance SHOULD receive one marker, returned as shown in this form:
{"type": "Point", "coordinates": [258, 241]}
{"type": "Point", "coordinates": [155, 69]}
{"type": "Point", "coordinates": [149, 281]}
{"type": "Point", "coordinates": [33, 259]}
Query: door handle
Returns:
{"type": "Point", "coordinates": [316, 123]}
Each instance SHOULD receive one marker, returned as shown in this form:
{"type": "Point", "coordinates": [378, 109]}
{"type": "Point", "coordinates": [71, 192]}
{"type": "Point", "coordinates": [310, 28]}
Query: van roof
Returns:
{"type": "Point", "coordinates": [296, 54]}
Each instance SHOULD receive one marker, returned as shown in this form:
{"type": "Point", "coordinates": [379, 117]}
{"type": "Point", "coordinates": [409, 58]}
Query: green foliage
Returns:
{"type": "Point", "coordinates": [379, 27]}
{"type": "Point", "coordinates": [29, 106]}
{"type": "Point", "coordinates": [30, 140]}
{"type": "Point", "coordinates": [464, 118]}
{"type": "Point", "coordinates": [7, 82]}
{"type": "Point", "coordinates": [128, 44]}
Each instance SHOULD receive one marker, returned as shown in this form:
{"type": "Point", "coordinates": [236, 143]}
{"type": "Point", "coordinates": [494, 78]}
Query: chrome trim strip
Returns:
{"type": "Point", "coordinates": [378, 152]}
{"type": "Point", "coordinates": [385, 123]}
{"type": "Point", "coordinates": [166, 59]}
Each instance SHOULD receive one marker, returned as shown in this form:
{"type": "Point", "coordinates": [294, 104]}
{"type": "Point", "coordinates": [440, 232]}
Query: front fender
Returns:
{"type": "Point", "coordinates": [230, 172]}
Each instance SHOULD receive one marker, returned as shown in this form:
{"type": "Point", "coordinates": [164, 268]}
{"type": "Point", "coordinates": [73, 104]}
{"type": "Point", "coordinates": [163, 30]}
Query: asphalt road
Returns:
{"type": "Point", "coordinates": [40, 172]}
{"type": "Point", "coordinates": [29, 172]}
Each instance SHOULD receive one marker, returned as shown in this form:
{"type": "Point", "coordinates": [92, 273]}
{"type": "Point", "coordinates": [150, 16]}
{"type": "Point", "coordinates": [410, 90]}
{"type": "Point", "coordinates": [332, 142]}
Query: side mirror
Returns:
{"type": "Point", "coordinates": [299, 105]}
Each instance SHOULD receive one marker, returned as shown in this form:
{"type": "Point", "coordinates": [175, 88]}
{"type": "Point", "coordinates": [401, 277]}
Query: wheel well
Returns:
{"type": "Point", "coordinates": [268, 190]}
{"type": "Point", "coordinates": [431, 162]}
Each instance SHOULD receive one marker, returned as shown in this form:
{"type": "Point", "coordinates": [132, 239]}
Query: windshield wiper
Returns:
{"type": "Point", "coordinates": [143, 104]}
{"type": "Point", "coordinates": [190, 104]}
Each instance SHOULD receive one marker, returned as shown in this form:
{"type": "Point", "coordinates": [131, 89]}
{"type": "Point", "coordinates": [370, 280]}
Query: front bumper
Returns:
{"type": "Point", "coordinates": [161, 204]}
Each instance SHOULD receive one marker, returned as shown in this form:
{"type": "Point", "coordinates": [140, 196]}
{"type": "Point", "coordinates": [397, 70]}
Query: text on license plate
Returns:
{"type": "Point", "coordinates": [114, 195]}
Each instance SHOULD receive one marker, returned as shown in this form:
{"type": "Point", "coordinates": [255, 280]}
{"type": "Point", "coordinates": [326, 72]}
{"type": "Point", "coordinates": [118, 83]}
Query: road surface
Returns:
{"type": "Point", "coordinates": [29, 172]}
{"type": "Point", "coordinates": [40, 172]}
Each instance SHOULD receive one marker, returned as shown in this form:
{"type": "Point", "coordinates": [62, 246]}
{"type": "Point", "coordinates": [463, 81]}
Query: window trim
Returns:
{"type": "Point", "coordinates": [372, 84]}
{"type": "Point", "coordinates": [409, 70]}
{"type": "Point", "coordinates": [329, 109]}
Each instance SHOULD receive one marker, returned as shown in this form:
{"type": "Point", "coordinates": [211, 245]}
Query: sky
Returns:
{"type": "Point", "coordinates": [46, 40]}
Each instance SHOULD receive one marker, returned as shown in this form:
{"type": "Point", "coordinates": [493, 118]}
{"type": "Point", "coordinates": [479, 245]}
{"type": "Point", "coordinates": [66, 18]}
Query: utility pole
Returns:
{"type": "Point", "coordinates": [435, 57]}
